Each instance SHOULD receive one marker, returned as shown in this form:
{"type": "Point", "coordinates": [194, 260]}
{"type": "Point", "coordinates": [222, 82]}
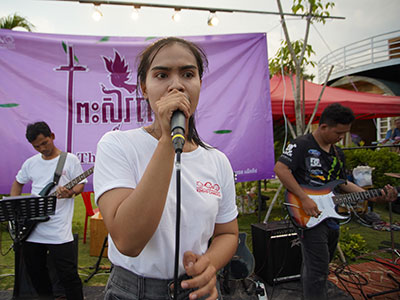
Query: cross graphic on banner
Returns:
{"type": "Point", "coordinates": [70, 68]}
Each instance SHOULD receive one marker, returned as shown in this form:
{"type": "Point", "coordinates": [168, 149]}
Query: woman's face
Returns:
{"type": "Point", "coordinates": [173, 67]}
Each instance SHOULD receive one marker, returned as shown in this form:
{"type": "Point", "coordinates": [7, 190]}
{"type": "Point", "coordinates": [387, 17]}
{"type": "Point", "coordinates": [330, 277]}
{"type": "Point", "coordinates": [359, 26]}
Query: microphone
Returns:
{"type": "Point", "coordinates": [178, 122]}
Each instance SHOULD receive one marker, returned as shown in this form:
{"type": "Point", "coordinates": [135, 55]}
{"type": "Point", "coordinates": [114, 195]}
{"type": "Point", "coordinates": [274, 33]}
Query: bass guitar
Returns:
{"type": "Point", "coordinates": [326, 201]}
{"type": "Point", "coordinates": [27, 225]}
{"type": "Point", "coordinates": [234, 279]}
{"type": "Point", "coordinates": [242, 263]}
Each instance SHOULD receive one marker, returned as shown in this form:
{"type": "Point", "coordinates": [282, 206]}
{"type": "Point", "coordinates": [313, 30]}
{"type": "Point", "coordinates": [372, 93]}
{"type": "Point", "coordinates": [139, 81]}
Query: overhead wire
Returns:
{"type": "Point", "coordinates": [335, 57]}
{"type": "Point", "coordinates": [284, 98]}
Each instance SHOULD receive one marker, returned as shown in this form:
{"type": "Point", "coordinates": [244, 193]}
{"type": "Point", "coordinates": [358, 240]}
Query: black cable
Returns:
{"type": "Point", "coordinates": [359, 219]}
{"type": "Point", "coordinates": [354, 278]}
{"type": "Point", "coordinates": [8, 251]}
{"type": "Point", "coordinates": [355, 274]}
{"type": "Point", "coordinates": [178, 220]}
{"type": "Point", "coordinates": [1, 240]}
{"type": "Point", "coordinates": [348, 217]}
{"type": "Point", "coordinates": [387, 264]}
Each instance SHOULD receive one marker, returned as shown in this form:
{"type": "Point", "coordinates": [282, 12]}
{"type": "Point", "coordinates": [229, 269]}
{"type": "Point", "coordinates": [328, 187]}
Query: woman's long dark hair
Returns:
{"type": "Point", "coordinates": [146, 58]}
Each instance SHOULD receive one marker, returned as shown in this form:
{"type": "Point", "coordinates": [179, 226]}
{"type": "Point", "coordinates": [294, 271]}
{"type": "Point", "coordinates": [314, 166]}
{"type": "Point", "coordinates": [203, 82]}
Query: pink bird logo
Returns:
{"type": "Point", "coordinates": [119, 72]}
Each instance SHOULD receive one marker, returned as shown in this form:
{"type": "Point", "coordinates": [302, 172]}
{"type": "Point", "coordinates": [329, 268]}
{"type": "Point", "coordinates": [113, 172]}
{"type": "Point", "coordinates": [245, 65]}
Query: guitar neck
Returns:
{"type": "Point", "coordinates": [352, 198]}
{"type": "Point", "coordinates": [76, 180]}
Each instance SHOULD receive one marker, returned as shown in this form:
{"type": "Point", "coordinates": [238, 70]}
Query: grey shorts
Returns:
{"type": "Point", "coordinates": [126, 285]}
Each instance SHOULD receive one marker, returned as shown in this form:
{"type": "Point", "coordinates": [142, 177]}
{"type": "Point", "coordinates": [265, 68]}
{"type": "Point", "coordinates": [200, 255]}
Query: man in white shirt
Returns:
{"type": "Point", "coordinates": [52, 238]}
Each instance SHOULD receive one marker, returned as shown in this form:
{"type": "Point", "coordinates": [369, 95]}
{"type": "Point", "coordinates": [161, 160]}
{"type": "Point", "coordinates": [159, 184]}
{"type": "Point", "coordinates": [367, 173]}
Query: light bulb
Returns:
{"type": "Point", "coordinates": [96, 15]}
{"type": "Point", "coordinates": [212, 19]}
{"type": "Point", "coordinates": [176, 16]}
{"type": "Point", "coordinates": [135, 14]}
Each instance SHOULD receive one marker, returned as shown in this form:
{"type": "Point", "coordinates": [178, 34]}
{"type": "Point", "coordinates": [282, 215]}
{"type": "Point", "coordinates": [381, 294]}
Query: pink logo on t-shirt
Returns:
{"type": "Point", "coordinates": [208, 188]}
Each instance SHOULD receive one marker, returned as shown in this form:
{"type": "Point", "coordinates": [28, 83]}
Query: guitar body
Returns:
{"type": "Point", "coordinates": [26, 226]}
{"type": "Point", "coordinates": [234, 279]}
{"type": "Point", "coordinates": [326, 201]}
{"type": "Point", "coordinates": [242, 263]}
{"type": "Point", "coordinates": [46, 190]}
{"type": "Point", "coordinates": [322, 196]}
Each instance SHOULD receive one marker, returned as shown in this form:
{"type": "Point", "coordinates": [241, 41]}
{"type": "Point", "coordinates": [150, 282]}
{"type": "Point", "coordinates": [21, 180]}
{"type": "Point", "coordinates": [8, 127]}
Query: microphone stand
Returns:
{"type": "Point", "coordinates": [178, 220]}
{"type": "Point", "coordinates": [178, 140]}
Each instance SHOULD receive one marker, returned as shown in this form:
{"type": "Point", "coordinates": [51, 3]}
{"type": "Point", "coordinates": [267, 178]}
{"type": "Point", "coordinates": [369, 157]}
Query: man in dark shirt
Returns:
{"type": "Point", "coordinates": [314, 160]}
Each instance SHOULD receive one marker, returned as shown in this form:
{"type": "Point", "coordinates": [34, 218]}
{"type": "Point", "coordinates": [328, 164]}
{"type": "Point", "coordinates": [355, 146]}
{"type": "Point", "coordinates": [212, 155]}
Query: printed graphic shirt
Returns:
{"type": "Point", "coordinates": [207, 189]}
{"type": "Point", "coordinates": [310, 164]}
{"type": "Point", "coordinates": [313, 166]}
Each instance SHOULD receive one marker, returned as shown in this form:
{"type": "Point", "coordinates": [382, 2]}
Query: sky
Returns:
{"type": "Point", "coordinates": [363, 19]}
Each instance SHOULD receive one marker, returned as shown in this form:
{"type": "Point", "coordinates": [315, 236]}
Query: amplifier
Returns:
{"type": "Point", "coordinates": [277, 251]}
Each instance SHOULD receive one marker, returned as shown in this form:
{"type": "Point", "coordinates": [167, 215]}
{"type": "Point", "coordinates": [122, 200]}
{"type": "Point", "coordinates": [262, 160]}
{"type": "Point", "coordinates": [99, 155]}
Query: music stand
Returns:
{"type": "Point", "coordinates": [20, 209]}
{"type": "Point", "coordinates": [97, 265]}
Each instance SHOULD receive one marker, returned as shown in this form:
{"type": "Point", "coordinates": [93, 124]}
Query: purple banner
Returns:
{"type": "Point", "coordinates": [84, 86]}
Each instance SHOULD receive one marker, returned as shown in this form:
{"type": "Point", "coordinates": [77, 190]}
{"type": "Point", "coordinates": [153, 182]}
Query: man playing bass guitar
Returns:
{"type": "Point", "coordinates": [54, 236]}
{"type": "Point", "coordinates": [314, 160]}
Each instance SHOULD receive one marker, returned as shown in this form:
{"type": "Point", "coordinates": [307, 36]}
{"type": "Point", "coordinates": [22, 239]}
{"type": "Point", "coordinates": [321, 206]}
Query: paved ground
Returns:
{"type": "Point", "coordinates": [369, 279]}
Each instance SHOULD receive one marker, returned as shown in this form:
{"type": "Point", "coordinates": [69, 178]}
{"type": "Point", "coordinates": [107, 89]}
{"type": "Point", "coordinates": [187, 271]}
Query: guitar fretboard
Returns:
{"type": "Point", "coordinates": [352, 198]}
{"type": "Point", "coordinates": [76, 180]}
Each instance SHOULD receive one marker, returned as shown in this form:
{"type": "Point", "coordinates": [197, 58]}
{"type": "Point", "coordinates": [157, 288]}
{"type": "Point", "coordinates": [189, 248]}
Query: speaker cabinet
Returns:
{"type": "Point", "coordinates": [277, 251]}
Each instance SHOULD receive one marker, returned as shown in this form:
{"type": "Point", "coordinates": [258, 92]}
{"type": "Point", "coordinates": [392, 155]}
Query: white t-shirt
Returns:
{"type": "Point", "coordinates": [58, 229]}
{"type": "Point", "coordinates": [207, 197]}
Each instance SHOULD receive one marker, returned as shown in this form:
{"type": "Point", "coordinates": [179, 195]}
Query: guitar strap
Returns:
{"type": "Point", "coordinates": [341, 164]}
{"type": "Point", "coordinates": [59, 168]}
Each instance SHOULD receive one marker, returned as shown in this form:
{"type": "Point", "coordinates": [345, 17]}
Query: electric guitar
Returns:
{"type": "Point", "coordinates": [27, 225]}
{"type": "Point", "coordinates": [242, 263]}
{"type": "Point", "coordinates": [234, 276]}
{"type": "Point", "coordinates": [326, 201]}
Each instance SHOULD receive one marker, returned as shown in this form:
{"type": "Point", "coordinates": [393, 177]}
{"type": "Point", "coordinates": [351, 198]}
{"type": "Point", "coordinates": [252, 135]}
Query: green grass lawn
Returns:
{"type": "Point", "coordinates": [86, 262]}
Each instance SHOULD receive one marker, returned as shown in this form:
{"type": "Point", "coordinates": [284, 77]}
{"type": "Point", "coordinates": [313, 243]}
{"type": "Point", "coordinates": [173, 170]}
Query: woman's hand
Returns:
{"type": "Point", "coordinates": [204, 276]}
{"type": "Point", "coordinates": [174, 100]}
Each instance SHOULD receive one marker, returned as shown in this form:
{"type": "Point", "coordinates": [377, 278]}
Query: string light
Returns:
{"type": "Point", "coordinates": [176, 16]}
{"type": "Point", "coordinates": [212, 19]}
{"type": "Point", "coordinates": [97, 14]}
{"type": "Point", "coordinates": [135, 13]}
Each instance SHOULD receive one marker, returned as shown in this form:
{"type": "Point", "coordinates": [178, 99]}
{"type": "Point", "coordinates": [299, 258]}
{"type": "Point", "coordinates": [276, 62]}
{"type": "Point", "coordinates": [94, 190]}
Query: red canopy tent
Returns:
{"type": "Point", "coordinates": [364, 105]}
